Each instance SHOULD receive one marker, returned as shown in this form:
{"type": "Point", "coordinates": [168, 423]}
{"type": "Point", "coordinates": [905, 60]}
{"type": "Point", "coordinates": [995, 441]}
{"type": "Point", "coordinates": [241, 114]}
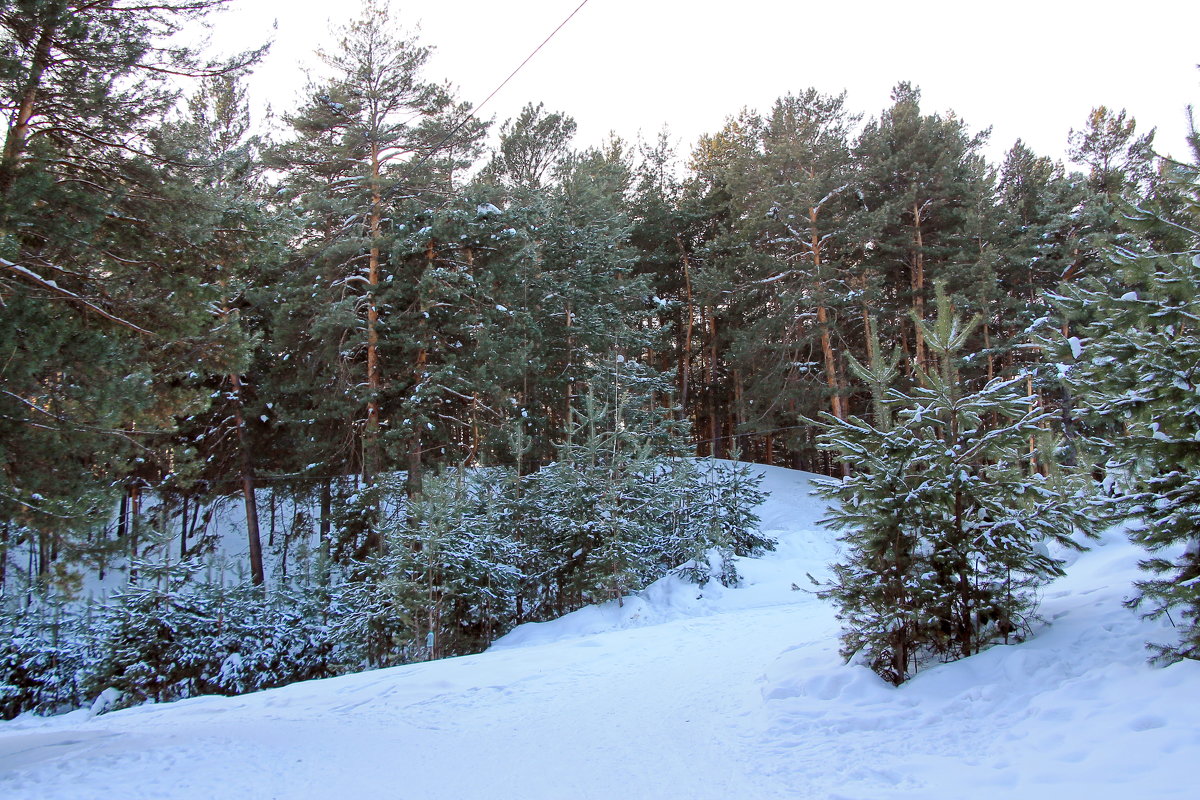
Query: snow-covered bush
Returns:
{"type": "Point", "coordinates": [612, 515]}
{"type": "Point", "coordinates": [156, 644]}
{"type": "Point", "coordinates": [394, 579]}
{"type": "Point", "coordinates": [42, 656]}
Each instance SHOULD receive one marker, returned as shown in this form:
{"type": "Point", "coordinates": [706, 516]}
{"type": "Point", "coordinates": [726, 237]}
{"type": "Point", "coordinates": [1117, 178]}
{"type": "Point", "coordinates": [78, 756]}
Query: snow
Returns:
{"type": "Point", "coordinates": [28, 273]}
{"type": "Point", "coordinates": [682, 691]}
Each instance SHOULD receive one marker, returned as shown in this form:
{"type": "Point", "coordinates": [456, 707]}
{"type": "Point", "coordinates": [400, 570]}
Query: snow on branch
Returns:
{"type": "Point", "coordinates": [75, 299]}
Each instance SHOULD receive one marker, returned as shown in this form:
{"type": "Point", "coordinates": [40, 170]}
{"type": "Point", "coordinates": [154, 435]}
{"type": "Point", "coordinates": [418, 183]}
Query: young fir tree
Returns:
{"type": "Point", "coordinates": [622, 505]}
{"type": "Point", "coordinates": [1131, 367]}
{"type": "Point", "coordinates": [715, 520]}
{"type": "Point", "coordinates": [589, 512]}
{"type": "Point", "coordinates": [452, 567]}
{"type": "Point", "coordinates": [944, 520]}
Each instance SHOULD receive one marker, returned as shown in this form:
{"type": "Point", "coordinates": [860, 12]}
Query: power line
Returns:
{"type": "Point", "coordinates": [529, 57]}
{"type": "Point", "coordinates": [475, 111]}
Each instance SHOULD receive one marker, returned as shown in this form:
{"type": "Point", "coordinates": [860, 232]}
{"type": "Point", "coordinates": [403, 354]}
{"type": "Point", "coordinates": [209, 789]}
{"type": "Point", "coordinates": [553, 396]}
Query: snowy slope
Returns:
{"type": "Point", "coordinates": [687, 693]}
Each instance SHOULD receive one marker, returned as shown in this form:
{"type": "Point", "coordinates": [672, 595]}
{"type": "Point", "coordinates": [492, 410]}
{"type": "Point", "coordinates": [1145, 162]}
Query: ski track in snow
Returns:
{"type": "Point", "coordinates": [682, 692]}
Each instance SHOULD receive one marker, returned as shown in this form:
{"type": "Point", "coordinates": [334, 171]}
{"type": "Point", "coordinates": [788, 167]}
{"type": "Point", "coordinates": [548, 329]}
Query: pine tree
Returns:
{"type": "Point", "coordinates": [574, 288]}
{"type": "Point", "coordinates": [1038, 230]}
{"type": "Point", "coordinates": [531, 147]}
{"type": "Point", "coordinates": [1119, 170]}
{"type": "Point", "coordinates": [714, 258]}
{"type": "Point", "coordinates": [1119, 161]}
{"type": "Point", "coordinates": [216, 132]}
{"type": "Point", "coordinates": [923, 189]}
{"type": "Point", "coordinates": [794, 198]}
{"type": "Point", "coordinates": [374, 143]}
{"type": "Point", "coordinates": [466, 321]}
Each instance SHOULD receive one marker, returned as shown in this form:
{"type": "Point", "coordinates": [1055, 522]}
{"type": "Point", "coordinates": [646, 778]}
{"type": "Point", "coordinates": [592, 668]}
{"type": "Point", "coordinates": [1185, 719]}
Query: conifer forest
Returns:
{"type": "Point", "coordinates": [378, 380]}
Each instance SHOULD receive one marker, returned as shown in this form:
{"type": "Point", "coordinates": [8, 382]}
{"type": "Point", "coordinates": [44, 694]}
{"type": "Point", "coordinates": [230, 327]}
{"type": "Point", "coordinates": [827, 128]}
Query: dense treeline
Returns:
{"type": "Point", "coordinates": [531, 337]}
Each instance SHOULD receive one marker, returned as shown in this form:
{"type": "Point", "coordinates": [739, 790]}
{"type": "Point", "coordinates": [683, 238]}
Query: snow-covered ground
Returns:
{"type": "Point", "coordinates": [679, 693]}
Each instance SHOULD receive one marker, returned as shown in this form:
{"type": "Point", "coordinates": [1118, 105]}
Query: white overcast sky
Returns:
{"type": "Point", "coordinates": [1029, 69]}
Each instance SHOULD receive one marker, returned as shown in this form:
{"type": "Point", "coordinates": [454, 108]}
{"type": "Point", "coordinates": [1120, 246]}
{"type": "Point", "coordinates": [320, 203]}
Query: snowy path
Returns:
{"type": "Point", "coordinates": [681, 693]}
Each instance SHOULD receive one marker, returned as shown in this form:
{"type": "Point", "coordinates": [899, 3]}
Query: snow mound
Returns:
{"type": "Point", "coordinates": [667, 599]}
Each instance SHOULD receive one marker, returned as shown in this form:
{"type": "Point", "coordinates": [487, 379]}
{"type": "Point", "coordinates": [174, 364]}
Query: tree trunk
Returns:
{"type": "Point", "coordinates": [287, 538]}
{"type": "Point", "coordinates": [257, 575]}
{"type": "Point", "coordinates": [43, 562]}
{"type": "Point", "coordinates": [414, 484]}
{"type": "Point", "coordinates": [183, 528]}
{"type": "Point", "coordinates": [918, 286]}
{"type": "Point", "coordinates": [738, 417]}
{"type": "Point", "coordinates": [18, 131]}
{"type": "Point", "coordinates": [685, 353]}
{"type": "Point", "coordinates": [991, 357]}
{"type": "Point", "coordinates": [123, 514]}
{"type": "Point", "coordinates": [1033, 463]}
{"type": "Point", "coordinates": [831, 373]}
{"type": "Point", "coordinates": [966, 624]}
{"type": "Point", "coordinates": [371, 445]}
{"type": "Point", "coordinates": [135, 524]}
{"type": "Point", "coordinates": [714, 431]}
{"type": "Point", "coordinates": [326, 514]}
{"type": "Point", "coordinates": [5, 532]}
{"type": "Point", "coordinates": [570, 389]}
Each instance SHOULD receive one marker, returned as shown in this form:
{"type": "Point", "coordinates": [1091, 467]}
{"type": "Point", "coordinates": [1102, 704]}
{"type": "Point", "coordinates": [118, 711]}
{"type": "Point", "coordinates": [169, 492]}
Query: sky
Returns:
{"type": "Point", "coordinates": [1028, 69]}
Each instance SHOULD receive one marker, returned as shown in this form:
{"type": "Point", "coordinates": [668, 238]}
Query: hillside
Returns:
{"type": "Point", "coordinates": [681, 692]}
